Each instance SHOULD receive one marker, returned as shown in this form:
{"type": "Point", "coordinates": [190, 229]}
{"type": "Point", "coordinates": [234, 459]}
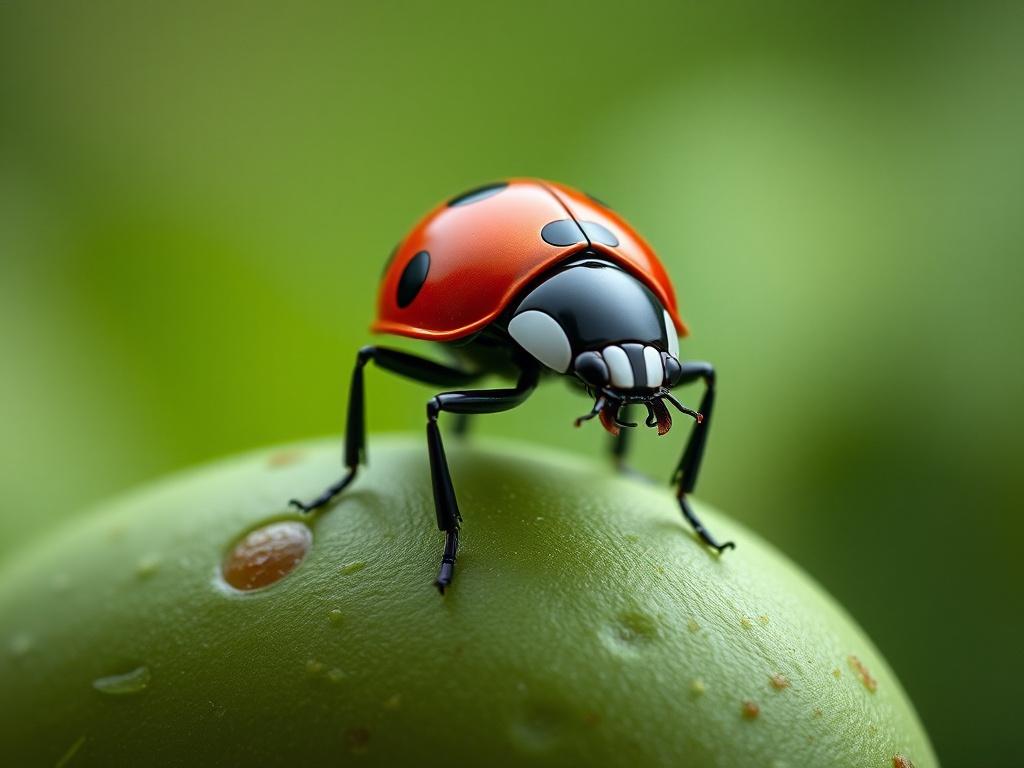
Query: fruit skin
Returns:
{"type": "Point", "coordinates": [586, 626]}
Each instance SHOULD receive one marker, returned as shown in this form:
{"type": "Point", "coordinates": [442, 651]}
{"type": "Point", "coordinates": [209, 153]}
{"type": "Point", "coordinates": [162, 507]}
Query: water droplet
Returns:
{"type": "Point", "coordinates": [21, 644]}
{"type": "Point", "coordinates": [335, 616]}
{"type": "Point", "coordinates": [750, 710]}
{"type": "Point", "coordinates": [697, 688]}
{"type": "Point", "coordinates": [353, 567]}
{"type": "Point", "coordinates": [314, 667]}
{"type": "Point", "coordinates": [70, 753]}
{"type": "Point", "coordinates": [630, 631]}
{"type": "Point", "coordinates": [147, 566]}
{"type": "Point", "coordinates": [779, 682]}
{"type": "Point", "coordinates": [123, 684]}
{"type": "Point", "coordinates": [335, 675]}
{"type": "Point", "coordinates": [266, 555]}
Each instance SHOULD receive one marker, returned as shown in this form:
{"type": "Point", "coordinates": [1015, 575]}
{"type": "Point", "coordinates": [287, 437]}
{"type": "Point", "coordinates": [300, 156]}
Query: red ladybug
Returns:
{"type": "Point", "coordinates": [527, 278]}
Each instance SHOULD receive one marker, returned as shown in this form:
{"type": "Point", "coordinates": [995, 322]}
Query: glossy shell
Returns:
{"type": "Point", "coordinates": [463, 264]}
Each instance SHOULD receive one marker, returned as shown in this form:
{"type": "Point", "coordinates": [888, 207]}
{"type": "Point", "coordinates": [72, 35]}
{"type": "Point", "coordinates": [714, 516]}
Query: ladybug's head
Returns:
{"type": "Point", "coordinates": [594, 321]}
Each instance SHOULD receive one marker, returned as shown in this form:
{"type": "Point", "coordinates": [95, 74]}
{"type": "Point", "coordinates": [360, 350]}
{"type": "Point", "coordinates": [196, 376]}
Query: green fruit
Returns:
{"type": "Point", "coordinates": [586, 626]}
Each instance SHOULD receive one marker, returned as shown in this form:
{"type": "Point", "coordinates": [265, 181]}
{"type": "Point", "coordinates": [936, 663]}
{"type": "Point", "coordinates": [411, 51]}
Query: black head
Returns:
{"type": "Point", "coordinates": [594, 321]}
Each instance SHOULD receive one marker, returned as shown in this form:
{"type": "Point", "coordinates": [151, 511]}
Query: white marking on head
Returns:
{"type": "Point", "coordinates": [618, 366]}
{"type": "Point", "coordinates": [541, 335]}
{"type": "Point", "coordinates": [673, 337]}
{"type": "Point", "coordinates": [652, 361]}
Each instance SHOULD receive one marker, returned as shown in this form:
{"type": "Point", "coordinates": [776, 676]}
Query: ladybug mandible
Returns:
{"type": "Point", "coordinates": [527, 278]}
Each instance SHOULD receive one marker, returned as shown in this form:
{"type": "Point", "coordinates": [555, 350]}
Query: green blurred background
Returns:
{"type": "Point", "coordinates": [195, 203]}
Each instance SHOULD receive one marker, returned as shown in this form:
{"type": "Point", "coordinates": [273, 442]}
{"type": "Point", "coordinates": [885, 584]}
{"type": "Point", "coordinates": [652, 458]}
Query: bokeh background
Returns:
{"type": "Point", "coordinates": [196, 200]}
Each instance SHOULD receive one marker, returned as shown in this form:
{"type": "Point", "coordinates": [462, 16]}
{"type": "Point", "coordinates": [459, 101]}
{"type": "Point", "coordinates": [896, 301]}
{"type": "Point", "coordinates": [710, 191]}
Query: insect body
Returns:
{"type": "Point", "coordinates": [529, 279]}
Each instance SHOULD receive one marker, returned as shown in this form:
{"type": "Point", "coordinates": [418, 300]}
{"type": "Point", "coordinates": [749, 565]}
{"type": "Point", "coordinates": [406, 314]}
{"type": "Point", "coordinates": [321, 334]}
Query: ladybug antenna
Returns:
{"type": "Point", "coordinates": [598, 406]}
{"type": "Point", "coordinates": [698, 417]}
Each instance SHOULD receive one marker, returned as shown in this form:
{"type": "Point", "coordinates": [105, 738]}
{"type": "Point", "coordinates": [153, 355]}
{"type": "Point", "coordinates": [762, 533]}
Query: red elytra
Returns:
{"type": "Point", "coordinates": [485, 252]}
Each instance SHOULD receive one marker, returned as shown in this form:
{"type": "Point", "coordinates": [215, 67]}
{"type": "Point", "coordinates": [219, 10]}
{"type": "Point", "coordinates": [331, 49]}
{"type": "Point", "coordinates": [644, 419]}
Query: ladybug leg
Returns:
{"type": "Point", "coordinates": [619, 450]}
{"type": "Point", "coordinates": [445, 504]}
{"type": "Point", "coordinates": [402, 363]}
{"type": "Point", "coordinates": [461, 426]}
{"type": "Point", "coordinates": [619, 446]}
{"type": "Point", "coordinates": [685, 476]}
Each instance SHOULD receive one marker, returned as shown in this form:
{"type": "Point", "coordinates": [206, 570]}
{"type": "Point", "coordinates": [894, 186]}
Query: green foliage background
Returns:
{"type": "Point", "coordinates": [196, 200]}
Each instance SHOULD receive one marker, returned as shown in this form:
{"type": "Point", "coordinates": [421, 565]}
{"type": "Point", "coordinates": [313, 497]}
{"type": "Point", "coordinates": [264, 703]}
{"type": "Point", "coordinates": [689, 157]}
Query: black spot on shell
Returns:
{"type": "Point", "coordinates": [477, 194]}
{"type": "Point", "coordinates": [562, 232]}
{"type": "Point", "coordinates": [413, 277]}
{"type": "Point", "coordinates": [598, 233]}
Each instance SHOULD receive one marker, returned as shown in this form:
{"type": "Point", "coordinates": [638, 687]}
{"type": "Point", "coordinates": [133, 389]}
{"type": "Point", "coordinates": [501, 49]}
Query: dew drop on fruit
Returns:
{"type": "Point", "coordinates": [125, 683]}
{"type": "Point", "coordinates": [266, 555]}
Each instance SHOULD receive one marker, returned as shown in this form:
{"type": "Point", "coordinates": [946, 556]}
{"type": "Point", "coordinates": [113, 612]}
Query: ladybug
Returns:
{"type": "Point", "coordinates": [530, 279]}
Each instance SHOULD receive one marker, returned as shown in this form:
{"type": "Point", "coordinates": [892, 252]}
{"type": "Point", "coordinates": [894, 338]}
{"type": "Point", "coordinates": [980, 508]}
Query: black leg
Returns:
{"type": "Point", "coordinates": [445, 504]}
{"type": "Point", "coordinates": [619, 450]}
{"type": "Point", "coordinates": [685, 476]}
{"type": "Point", "coordinates": [619, 446]}
{"type": "Point", "coordinates": [461, 426]}
{"type": "Point", "coordinates": [402, 363]}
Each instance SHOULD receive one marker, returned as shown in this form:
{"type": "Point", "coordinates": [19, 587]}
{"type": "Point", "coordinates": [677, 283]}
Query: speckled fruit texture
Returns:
{"type": "Point", "coordinates": [586, 626]}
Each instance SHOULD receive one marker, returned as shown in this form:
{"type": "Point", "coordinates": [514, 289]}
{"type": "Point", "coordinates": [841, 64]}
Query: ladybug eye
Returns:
{"type": "Point", "coordinates": [672, 370]}
{"type": "Point", "coordinates": [591, 367]}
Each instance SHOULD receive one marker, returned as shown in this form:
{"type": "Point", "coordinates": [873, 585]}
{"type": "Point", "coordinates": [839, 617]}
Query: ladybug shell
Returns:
{"type": "Point", "coordinates": [484, 247]}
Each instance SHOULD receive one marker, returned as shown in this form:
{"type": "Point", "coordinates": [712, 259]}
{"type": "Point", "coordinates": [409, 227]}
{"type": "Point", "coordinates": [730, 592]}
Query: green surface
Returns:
{"type": "Point", "coordinates": [586, 626]}
{"type": "Point", "coordinates": [196, 200]}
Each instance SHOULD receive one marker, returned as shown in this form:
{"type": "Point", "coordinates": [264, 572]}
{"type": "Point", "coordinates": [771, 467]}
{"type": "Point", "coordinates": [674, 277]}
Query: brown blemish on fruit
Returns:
{"type": "Point", "coordinates": [779, 682]}
{"type": "Point", "coordinates": [284, 458]}
{"type": "Point", "coordinates": [899, 761]}
{"type": "Point", "coordinates": [763, 620]}
{"type": "Point", "coordinates": [692, 625]}
{"type": "Point", "coordinates": [266, 555]}
{"type": "Point", "coordinates": [836, 673]}
{"type": "Point", "coordinates": [750, 710]}
{"type": "Point", "coordinates": [746, 623]}
{"type": "Point", "coordinates": [818, 712]}
{"type": "Point", "coordinates": [697, 688]}
{"type": "Point", "coordinates": [591, 719]}
{"type": "Point", "coordinates": [862, 672]}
